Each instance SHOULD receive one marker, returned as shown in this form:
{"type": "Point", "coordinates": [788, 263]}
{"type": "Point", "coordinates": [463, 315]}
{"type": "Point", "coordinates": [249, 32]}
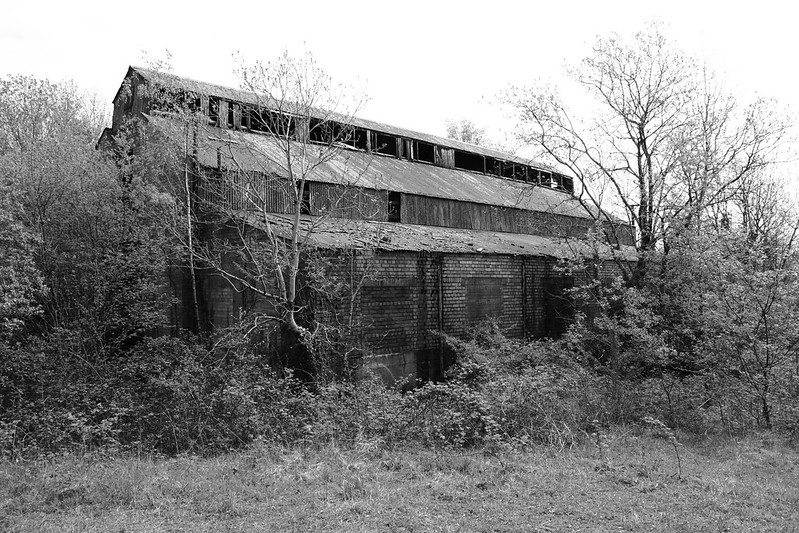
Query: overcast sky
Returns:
{"type": "Point", "coordinates": [421, 62]}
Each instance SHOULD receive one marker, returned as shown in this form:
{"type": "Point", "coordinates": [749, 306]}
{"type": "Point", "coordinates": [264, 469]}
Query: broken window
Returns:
{"type": "Point", "coordinates": [356, 137]}
{"type": "Point", "coordinates": [261, 121]}
{"type": "Point", "coordinates": [272, 122]}
{"type": "Point", "coordinates": [558, 305]}
{"type": "Point", "coordinates": [245, 117]}
{"type": "Point", "coordinates": [128, 95]}
{"type": "Point", "coordinates": [492, 166]}
{"type": "Point", "coordinates": [383, 143]}
{"type": "Point", "coordinates": [213, 110]}
{"type": "Point", "coordinates": [301, 127]}
{"type": "Point", "coordinates": [168, 99]}
{"type": "Point", "coordinates": [568, 184]}
{"type": "Point", "coordinates": [189, 101]}
{"type": "Point", "coordinates": [520, 172]}
{"type": "Point", "coordinates": [424, 152]}
{"type": "Point", "coordinates": [445, 157]}
{"type": "Point", "coordinates": [256, 122]}
{"type": "Point", "coordinates": [328, 132]}
{"type": "Point", "coordinates": [469, 161]}
{"type": "Point", "coordinates": [394, 206]}
{"type": "Point", "coordinates": [305, 202]}
{"type": "Point", "coordinates": [507, 170]}
{"type": "Point", "coordinates": [279, 124]}
{"type": "Point", "coordinates": [320, 131]}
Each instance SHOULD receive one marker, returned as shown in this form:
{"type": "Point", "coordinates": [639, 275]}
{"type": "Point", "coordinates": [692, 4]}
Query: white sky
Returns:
{"type": "Point", "coordinates": [422, 61]}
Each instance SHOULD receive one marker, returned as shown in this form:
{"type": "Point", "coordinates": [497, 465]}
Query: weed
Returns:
{"type": "Point", "coordinates": [664, 432]}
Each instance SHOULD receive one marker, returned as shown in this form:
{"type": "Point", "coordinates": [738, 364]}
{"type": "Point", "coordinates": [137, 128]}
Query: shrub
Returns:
{"type": "Point", "coordinates": [509, 391]}
{"type": "Point", "coordinates": [53, 399]}
{"type": "Point", "coordinates": [452, 414]}
{"type": "Point", "coordinates": [162, 394]}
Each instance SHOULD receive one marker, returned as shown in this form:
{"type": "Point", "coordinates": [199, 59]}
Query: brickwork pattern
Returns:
{"type": "Point", "coordinates": [407, 297]}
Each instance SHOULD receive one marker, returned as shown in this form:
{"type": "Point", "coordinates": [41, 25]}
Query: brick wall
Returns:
{"type": "Point", "coordinates": [405, 298]}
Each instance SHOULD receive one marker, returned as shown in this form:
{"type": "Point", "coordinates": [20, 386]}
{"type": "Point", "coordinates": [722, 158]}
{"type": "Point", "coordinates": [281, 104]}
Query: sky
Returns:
{"type": "Point", "coordinates": [418, 62]}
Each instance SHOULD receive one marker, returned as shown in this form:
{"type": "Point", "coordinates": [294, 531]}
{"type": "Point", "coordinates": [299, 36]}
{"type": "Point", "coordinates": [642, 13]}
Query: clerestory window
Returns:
{"type": "Point", "coordinates": [394, 206]}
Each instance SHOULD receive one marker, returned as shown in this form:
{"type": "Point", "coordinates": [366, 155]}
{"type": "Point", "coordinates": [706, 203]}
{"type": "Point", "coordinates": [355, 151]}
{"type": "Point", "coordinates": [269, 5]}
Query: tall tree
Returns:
{"type": "Point", "coordinates": [22, 286]}
{"type": "Point", "coordinates": [297, 101]}
{"type": "Point", "coordinates": [90, 237]}
{"type": "Point", "coordinates": [749, 301]}
{"type": "Point", "coordinates": [258, 197]}
{"type": "Point", "coordinates": [661, 146]}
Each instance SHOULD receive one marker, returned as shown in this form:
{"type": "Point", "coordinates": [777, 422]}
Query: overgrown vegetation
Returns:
{"type": "Point", "coordinates": [174, 396]}
{"type": "Point", "coordinates": [699, 338]}
{"type": "Point", "coordinates": [727, 485]}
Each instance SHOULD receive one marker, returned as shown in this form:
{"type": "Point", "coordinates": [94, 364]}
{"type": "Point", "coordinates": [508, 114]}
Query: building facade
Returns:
{"type": "Point", "coordinates": [440, 234]}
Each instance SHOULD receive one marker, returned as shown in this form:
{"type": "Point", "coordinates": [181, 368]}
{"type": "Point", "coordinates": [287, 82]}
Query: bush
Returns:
{"type": "Point", "coordinates": [173, 396]}
{"type": "Point", "coordinates": [508, 391]}
{"type": "Point", "coordinates": [452, 414]}
{"type": "Point", "coordinates": [176, 396]}
{"type": "Point", "coordinates": [53, 399]}
{"type": "Point", "coordinates": [162, 394]}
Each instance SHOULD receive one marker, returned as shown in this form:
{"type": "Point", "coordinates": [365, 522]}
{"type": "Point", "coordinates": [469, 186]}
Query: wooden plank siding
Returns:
{"type": "Point", "coordinates": [468, 215]}
{"type": "Point", "coordinates": [348, 202]}
{"type": "Point", "coordinates": [242, 191]}
{"type": "Point", "coordinates": [444, 157]}
{"type": "Point", "coordinates": [239, 191]}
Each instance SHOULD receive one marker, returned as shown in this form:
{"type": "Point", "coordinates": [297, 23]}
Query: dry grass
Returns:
{"type": "Point", "coordinates": [627, 484]}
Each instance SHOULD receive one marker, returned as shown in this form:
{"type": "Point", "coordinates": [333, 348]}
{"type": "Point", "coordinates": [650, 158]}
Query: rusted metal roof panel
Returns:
{"type": "Point", "coordinates": [258, 152]}
{"type": "Point", "coordinates": [248, 97]}
{"type": "Point", "coordinates": [336, 233]}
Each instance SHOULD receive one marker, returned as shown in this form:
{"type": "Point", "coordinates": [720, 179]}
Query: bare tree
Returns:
{"type": "Point", "coordinates": [248, 180]}
{"type": "Point", "coordinates": [662, 145]}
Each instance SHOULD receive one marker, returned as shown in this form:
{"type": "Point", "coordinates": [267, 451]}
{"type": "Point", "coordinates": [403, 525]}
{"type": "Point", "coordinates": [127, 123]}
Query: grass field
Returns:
{"type": "Point", "coordinates": [629, 483]}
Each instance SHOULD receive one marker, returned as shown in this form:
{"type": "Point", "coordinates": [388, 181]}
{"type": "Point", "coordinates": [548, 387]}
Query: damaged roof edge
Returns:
{"type": "Point", "coordinates": [253, 152]}
{"type": "Point", "coordinates": [172, 80]}
{"type": "Point", "coordinates": [333, 233]}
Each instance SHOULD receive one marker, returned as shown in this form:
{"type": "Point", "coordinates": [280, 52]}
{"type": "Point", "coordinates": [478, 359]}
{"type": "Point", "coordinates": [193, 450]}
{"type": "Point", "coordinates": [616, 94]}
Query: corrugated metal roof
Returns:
{"type": "Point", "coordinates": [248, 97]}
{"type": "Point", "coordinates": [260, 152]}
{"type": "Point", "coordinates": [336, 233]}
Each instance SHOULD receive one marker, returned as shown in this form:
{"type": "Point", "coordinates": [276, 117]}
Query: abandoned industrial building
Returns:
{"type": "Point", "coordinates": [443, 233]}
